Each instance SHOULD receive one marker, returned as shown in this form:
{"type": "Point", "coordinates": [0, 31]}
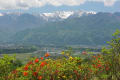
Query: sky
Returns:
{"type": "Point", "coordinates": [41, 6]}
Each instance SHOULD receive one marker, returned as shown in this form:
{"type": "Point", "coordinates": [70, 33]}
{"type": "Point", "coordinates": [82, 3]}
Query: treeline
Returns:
{"type": "Point", "coordinates": [17, 50]}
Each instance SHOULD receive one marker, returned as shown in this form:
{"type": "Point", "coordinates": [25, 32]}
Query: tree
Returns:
{"type": "Point", "coordinates": [112, 53]}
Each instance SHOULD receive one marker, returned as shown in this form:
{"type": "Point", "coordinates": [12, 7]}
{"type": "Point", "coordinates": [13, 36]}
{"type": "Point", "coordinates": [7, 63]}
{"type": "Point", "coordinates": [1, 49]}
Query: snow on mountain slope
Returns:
{"type": "Point", "coordinates": [61, 15]}
{"type": "Point", "coordinates": [54, 16]}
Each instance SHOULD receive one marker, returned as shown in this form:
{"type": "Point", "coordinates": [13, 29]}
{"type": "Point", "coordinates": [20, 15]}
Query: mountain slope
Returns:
{"type": "Point", "coordinates": [12, 23]}
{"type": "Point", "coordinates": [85, 30]}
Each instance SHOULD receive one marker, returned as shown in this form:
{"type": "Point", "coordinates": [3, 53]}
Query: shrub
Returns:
{"type": "Point", "coordinates": [113, 55]}
{"type": "Point", "coordinates": [7, 64]}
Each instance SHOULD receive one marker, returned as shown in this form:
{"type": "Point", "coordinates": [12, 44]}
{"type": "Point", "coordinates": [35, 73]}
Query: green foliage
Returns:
{"type": "Point", "coordinates": [7, 64]}
{"type": "Point", "coordinates": [105, 66]}
{"type": "Point", "coordinates": [113, 54]}
{"type": "Point", "coordinates": [63, 69]}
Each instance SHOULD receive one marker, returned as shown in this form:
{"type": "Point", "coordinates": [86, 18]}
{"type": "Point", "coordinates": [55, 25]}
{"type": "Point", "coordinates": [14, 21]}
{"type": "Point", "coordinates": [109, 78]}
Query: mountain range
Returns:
{"type": "Point", "coordinates": [59, 28]}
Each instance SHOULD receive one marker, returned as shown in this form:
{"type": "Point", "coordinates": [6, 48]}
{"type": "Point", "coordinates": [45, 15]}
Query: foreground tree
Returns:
{"type": "Point", "coordinates": [112, 53]}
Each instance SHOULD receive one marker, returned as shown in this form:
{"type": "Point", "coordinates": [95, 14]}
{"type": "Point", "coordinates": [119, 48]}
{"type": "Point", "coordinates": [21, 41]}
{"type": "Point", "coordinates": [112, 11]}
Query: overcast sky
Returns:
{"type": "Point", "coordinates": [59, 5]}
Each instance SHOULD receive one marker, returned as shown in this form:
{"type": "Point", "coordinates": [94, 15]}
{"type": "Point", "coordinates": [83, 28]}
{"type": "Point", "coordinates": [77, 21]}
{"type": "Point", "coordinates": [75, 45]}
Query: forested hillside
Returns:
{"type": "Point", "coordinates": [86, 30]}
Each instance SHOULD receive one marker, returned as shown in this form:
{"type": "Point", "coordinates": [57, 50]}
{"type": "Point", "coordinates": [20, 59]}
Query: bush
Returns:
{"type": "Point", "coordinates": [113, 55]}
{"type": "Point", "coordinates": [7, 64]}
{"type": "Point", "coordinates": [104, 66]}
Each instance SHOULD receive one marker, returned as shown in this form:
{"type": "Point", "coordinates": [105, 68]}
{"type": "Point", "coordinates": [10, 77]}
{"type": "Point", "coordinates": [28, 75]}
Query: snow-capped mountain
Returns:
{"type": "Point", "coordinates": [76, 27]}
{"type": "Point", "coordinates": [61, 15]}
{"type": "Point", "coordinates": [53, 16]}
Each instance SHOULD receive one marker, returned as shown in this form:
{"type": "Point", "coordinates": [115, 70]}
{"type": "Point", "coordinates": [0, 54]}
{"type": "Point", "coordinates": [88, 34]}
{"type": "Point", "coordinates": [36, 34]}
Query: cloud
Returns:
{"type": "Point", "coordinates": [109, 2]}
{"type": "Point", "coordinates": [106, 2]}
{"type": "Point", "coordinates": [26, 4]}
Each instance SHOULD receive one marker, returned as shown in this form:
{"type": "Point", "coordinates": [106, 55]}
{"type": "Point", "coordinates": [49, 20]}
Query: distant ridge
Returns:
{"type": "Point", "coordinates": [61, 27]}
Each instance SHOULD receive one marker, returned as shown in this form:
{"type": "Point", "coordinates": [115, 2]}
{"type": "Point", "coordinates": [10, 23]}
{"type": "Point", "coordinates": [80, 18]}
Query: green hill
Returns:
{"type": "Point", "coordinates": [86, 30]}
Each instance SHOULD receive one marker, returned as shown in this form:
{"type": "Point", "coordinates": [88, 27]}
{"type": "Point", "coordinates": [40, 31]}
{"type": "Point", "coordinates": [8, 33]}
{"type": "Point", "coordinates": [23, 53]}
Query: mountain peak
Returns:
{"type": "Point", "coordinates": [61, 15]}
